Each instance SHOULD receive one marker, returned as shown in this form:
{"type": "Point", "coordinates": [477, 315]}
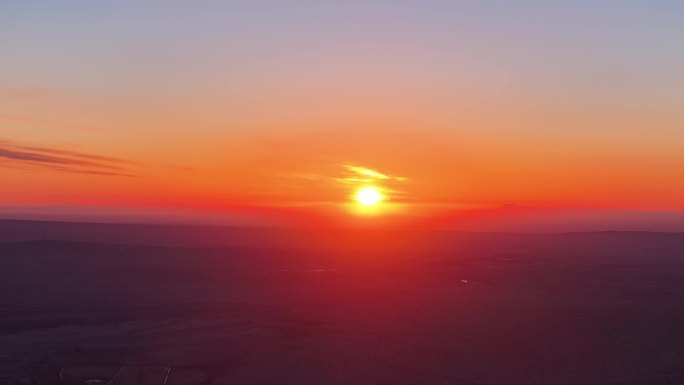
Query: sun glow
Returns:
{"type": "Point", "coordinates": [368, 196]}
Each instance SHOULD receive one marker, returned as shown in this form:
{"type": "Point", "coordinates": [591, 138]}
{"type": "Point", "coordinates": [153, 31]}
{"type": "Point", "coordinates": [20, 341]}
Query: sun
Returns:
{"type": "Point", "coordinates": [368, 196]}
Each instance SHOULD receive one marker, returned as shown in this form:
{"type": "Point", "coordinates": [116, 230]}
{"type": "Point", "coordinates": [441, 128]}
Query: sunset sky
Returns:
{"type": "Point", "coordinates": [263, 106]}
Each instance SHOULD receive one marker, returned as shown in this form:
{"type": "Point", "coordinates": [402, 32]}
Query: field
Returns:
{"type": "Point", "coordinates": [262, 306]}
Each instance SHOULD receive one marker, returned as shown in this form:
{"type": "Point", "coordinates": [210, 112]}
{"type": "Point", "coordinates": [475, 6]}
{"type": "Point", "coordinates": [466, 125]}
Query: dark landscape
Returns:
{"type": "Point", "coordinates": [268, 306]}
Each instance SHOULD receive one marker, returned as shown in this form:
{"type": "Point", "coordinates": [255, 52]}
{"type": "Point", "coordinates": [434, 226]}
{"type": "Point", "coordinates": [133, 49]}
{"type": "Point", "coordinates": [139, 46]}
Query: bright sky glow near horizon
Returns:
{"type": "Point", "coordinates": [272, 104]}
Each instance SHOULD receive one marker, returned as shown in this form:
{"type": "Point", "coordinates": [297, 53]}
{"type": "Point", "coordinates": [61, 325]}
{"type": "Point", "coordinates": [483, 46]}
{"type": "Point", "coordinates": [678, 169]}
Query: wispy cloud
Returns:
{"type": "Point", "coordinates": [351, 177]}
{"type": "Point", "coordinates": [359, 175]}
{"type": "Point", "coordinates": [366, 172]}
{"type": "Point", "coordinates": [13, 154]}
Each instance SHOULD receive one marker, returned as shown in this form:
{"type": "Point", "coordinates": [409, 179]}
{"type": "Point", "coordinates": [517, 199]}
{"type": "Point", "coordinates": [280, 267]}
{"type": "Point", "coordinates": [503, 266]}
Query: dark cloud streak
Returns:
{"type": "Point", "coordinates": [13, 155]}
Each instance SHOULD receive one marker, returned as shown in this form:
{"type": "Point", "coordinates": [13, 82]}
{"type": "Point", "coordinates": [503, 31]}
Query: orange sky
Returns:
{"type": "Point", "coordinates": [270, 110]}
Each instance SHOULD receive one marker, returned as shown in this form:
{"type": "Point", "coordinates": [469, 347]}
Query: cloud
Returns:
{"type": "Point", "coordinates": [360, 175]}
{"type": "Point", "coordinates": [354, 176]}
{"type": "Point", "coordinates": [366, 172]}
{"type": "Point", "coordinates": [17, 155]}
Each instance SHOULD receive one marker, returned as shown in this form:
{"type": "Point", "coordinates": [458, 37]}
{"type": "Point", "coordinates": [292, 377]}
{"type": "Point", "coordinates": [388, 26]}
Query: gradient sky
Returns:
{"type": "Point", "coordinates": [268, 104]}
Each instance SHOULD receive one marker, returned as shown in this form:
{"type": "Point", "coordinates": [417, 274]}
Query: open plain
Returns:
{"type": "Point", "coordinates": [227, 307]}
